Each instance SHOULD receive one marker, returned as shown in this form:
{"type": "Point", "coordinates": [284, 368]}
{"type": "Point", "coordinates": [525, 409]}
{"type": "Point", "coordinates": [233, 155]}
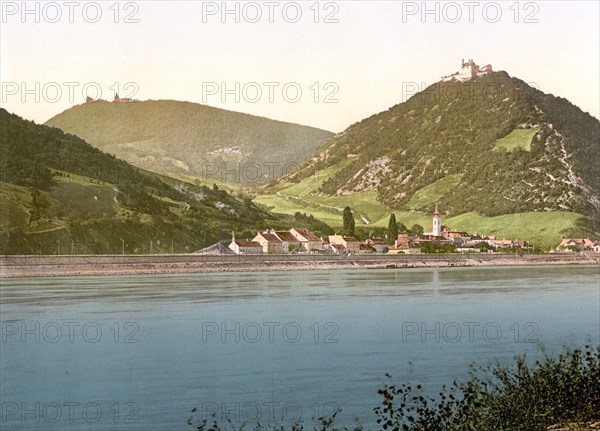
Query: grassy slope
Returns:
{"type": "Point", "coordinates": [289, 198]}
{"type": "Point", "coordinates": [433, 192]}
{"type": "Point", "coordinates": [84, 200]}
{"type": "Point", "coordinates": [540, 228]}
{"type": "Point", "coordinates": [77, 197]}
{"type": "Point", "coordinates": [228, 186]}
{"type": "Point", "coordinates": [14, 202]}
{"type": "Point", "coordinates": [518, 138]}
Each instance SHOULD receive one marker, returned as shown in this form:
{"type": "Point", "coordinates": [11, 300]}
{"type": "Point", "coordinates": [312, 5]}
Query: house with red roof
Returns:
{"type": "Point", "coordinates": [350, 244]}
{"type": "Point", "coordinates": [378, 244]}
{"type": "Point", "coordinates": [289, 243]}
{"type": "Point", "coordinates": [277, 242]}
{"type": "Point", "coordinates": [309, 242]}
{"type": "Point", "coordinates": [405, 244]}
{"type": "Point", "coordinates": [578, 244]}
{"type": "Point", "coordinates": [270, 242]}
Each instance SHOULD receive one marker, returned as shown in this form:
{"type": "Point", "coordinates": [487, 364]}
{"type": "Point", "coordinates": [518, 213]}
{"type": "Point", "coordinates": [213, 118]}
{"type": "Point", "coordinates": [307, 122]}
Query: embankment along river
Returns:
{"type": "Point", "coordinates": [45, 265]}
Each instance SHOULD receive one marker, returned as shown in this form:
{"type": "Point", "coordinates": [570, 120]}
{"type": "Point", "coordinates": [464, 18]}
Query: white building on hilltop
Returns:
{"type": "Point", "coordinates": [468, 70]}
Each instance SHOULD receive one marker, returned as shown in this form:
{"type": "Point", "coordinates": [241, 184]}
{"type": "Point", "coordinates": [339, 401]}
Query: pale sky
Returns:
{"type": "Point", "coordinates": [364, 62]}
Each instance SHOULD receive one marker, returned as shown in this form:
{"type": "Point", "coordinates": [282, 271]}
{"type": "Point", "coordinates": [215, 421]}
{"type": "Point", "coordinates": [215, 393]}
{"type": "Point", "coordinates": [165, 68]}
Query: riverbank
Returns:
{"type": "Point", "coordinates": [54, 266]}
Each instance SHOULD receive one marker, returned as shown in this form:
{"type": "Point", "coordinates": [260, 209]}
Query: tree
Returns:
{"type": "Point", "coordinates": [40, 204]}
{"type": "Point", "coordinates": [417, 229]}
{"type": "Point", "coordinates": [402, 228]}
{"type": "Point", "coordinates": [392, 232]}
{"type": "Point", "coordinates": [348, 221]}
{"type": "Point", "coordinates": [483, 246]}
{"type": "Point", "coordinates": [35, 193]}
{"type": "Point", "coordinates": [431, 247]}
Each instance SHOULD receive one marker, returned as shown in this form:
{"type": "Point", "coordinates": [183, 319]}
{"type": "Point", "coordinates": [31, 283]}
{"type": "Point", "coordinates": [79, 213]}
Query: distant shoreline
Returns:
{"type": "Point", "coordinates": [60, 266]}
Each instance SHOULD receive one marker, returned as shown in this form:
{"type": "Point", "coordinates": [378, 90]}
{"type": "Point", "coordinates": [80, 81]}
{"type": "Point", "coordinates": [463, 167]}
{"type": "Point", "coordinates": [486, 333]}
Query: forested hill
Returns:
{"type": "Point", "coordinates": [492, 145]}
{"type": "Point", "coordinates": [57, 189]}
{"type": "Point", "coordinates": [169, 136]}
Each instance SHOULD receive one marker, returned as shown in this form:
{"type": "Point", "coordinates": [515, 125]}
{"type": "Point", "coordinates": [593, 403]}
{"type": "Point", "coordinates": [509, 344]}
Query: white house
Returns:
{"type": "Point", "coordinates": [244, 247]}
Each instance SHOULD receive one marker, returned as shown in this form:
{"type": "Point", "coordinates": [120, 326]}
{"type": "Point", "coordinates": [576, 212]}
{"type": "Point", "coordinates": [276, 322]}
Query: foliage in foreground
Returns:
{"type": "Point", "coordinates": [324, 424]}
{"type": "Point", "coordinates": [558, 390]}
{"type": "Point", "coordinates": [555, 391]}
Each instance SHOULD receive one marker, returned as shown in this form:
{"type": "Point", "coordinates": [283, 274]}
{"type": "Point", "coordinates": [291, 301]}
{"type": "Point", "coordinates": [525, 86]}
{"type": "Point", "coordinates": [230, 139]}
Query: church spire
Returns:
{"type": "Point", "coordinates": [436, 228]}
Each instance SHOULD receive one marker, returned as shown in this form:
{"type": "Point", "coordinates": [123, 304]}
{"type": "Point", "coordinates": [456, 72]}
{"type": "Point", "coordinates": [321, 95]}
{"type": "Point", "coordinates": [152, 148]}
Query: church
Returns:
{"type": "Point", "coordinates": [437, 229]}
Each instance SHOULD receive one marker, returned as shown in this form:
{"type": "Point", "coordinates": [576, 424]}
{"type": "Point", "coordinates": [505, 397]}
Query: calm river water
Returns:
{"type": "Point", "coordinates": [140, 352]}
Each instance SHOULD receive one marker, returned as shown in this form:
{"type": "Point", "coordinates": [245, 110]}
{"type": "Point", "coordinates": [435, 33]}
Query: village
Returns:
{"type": "Point", "coordinates": [438, 239]}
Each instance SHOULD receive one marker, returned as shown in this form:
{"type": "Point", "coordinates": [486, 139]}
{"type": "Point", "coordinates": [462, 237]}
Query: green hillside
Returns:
{"type": "Point", "coordinates": [452, 128]}
{"type": "Point", "coordinates": [60, 195]}
{"type": "Point", "coordinates": [544, 229]}
{"type": "Point", "coordinates": [525, 163]}
{"type": "Point", "coordinates": [172, 137]}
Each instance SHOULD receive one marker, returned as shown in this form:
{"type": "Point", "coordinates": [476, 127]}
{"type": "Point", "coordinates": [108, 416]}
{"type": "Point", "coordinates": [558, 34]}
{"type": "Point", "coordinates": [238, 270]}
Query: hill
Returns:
{"type": "Point", "coordinates": [169, 137]}
{"type": "Point", "coordinates": [58, 194]}
{"type": "Point", "coordinates": [491, 146]}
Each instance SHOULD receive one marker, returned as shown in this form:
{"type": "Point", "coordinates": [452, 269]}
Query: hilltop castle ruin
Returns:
{"type": "Point", "coordinates": [116, 99]}
{"type": "Point", "coordinates": [468, 70]}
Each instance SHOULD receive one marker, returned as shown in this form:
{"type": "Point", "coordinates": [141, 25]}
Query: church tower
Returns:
{"type": "Point", "coordinates": [436, 229]}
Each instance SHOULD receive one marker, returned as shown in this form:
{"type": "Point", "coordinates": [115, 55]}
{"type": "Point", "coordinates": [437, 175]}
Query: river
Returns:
{"type": "Point", "coordinates": [140, 352]}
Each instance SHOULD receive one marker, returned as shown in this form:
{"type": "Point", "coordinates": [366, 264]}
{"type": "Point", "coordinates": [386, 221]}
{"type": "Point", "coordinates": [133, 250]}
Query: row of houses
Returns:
{"type": "Point", "coordinates": [296, 240]}
{"type": "Point", "coordinates": [578, 244]}
{"type": "Point", "coordinates": [302, 240]}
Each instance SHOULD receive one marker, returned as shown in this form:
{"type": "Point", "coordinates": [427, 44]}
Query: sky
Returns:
{"type": "Point", "coordinates": [325, 64]}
